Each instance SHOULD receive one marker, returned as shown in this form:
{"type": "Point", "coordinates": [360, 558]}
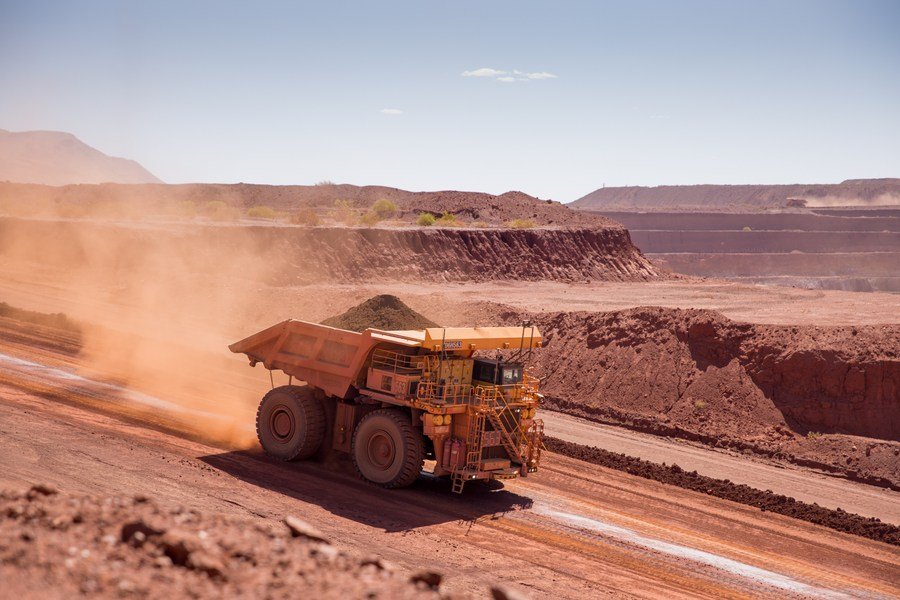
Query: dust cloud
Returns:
{"type": "Point", "coordinates": [156, 315]}
{"type": "Point", "coordinates": [844, 201]}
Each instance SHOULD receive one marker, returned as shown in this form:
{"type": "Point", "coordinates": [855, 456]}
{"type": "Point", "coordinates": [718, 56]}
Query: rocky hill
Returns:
{"type": "Point", "coordinates": [471, 208]}
{"type": "Point", "coordinates": [58, 158]}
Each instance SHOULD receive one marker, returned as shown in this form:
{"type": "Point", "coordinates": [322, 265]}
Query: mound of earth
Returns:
{"type": "Point", "coordinates": [380, 312]}
{"type": "Point", "coordinates": [824, 396]}
{"type": "Point", "coordinates": [852, 192]}
{"type": "Point", "coordinates": [141, 201]}
{"type": "Point", "coordinates": [58, 546]}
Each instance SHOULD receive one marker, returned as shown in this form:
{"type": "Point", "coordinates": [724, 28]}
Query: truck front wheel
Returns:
{"type": "Point", "coordinates": [290, 422]}
{"type": "Point", "coordinates": [387, 450]}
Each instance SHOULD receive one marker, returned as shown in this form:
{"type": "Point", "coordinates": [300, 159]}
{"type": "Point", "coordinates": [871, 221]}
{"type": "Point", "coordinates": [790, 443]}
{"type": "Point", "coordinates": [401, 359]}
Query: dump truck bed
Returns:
{"type": "Point", "coordinates": [332, 359]}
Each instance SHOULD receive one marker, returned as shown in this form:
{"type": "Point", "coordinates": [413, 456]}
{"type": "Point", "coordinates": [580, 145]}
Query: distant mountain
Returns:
{"type": "Point", "coordinates": [852, 192]}
{"type": "Point", "coordinates": [58, 158]}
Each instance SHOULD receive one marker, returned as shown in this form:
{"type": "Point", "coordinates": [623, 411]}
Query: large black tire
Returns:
{"type": "Point", "coordinates": [290, 422]}
{"type": "Point", "coordinates": [387, 450]}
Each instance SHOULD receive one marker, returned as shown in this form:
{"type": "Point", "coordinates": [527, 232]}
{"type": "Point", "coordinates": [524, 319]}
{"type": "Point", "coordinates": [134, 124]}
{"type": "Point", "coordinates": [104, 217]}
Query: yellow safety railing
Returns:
{"type": "Point", "coordinates": [396, 362]}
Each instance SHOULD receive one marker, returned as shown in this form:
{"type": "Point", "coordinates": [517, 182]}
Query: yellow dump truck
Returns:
{"type": "Point", "coordinates": [455, 402]}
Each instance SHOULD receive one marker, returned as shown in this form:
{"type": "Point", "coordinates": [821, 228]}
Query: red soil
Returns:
{"type": "Point", "coordinates": [59, 546]}
{"type": "Point", "coordinates": [797, 392]}
{"type": "Point", "coordinates": [838, 519]}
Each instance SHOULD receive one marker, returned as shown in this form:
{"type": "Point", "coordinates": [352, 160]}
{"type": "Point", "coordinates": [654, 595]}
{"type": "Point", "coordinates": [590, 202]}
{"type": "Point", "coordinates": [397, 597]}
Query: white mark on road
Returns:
{"type": "Point", "coordinates": [48, 375]}
{"type": "Point", "coordinates": [728, 565]}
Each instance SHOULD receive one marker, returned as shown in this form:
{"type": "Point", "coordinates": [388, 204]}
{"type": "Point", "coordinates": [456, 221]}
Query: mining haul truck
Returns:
{"type": "Point", "coordinates": [402, 402]}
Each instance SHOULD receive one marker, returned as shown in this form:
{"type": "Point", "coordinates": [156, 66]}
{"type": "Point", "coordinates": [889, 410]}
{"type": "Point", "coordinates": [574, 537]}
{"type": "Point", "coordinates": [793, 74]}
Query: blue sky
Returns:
{"type": "Point", "coordinates": [632, 92]}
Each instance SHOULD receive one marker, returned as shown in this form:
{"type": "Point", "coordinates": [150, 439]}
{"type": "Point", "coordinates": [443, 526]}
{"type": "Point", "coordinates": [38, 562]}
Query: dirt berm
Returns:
{"type": "Point", "coordinates": [828, 397]}
{"type": "Point", "coordinates": [296, 255]}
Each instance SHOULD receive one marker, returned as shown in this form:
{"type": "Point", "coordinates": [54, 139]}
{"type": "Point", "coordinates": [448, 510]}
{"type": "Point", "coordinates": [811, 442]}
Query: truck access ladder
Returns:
{"type": "Point", "coordinates": [494, 404]}
{"type": "Point", "coordinates": [474, 439]}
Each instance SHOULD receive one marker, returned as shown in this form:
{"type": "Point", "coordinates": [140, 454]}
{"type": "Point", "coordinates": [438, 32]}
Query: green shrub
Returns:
{"type": "Point", "coordinates": [343, 212]}
{"type": "Point", "coordinates": [305, 216]}
{"type": "Point", "coordinates": [370, 218]}
{"type": "Point", "coordinates": [447, 219]}
{"type": "Point", "coordinates": [426, 219]}
{"type": "Point", "coordinates": [521, 224]}
{"type": "Point", "coordinates": [384, 208]}
{"type": "Point", "coordinates": [262, 212]}
{"type": "Point", "coordinates": [220, 211]}
{"type": "Point", "coordinates": [214, 205]}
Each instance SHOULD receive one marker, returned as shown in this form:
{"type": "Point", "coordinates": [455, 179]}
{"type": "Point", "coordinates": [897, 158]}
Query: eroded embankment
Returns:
{"type": "Point", "coordinates": [296, 255]}
{"type": "Point", "coordinates": [796, 392]}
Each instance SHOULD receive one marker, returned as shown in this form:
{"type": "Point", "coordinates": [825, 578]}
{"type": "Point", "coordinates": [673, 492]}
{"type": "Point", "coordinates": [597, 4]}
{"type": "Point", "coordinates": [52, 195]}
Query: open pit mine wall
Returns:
{"type": "Point", "coordinates": [295, 255]}
{"type": "Point", "coordinates": [697, 368]}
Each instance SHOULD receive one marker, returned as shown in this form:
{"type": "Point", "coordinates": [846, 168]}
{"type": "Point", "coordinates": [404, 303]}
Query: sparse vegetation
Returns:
{"type": "Point", "coordinates": [214, 205]}
{"type": "Point", "coordinates": [55, 320]}
{"type": "Point", "coordinates": [262, 212]}
{"type": "Point", "coordinates": [747, 228]}
{"type": "Point", "coordinates": [813, 435]}
{"type": "Point", "coordinates": [186, 208]}
{"type": "Point", "coordinates": [425, 219]}
{"type": "Point", "coordinates": [343, 212]}
{"type": "Point", "coordinates": [370, 218]}
{"type": "Point", "coordinates": [384, 208]}
{"type": "Point", "coordinates": [447, 219]}
{"type": "Point", "coordinates": [700, 404]}
{"type": "Point", "coordinates": [521, 224]}
{"type": "Point", "coordinates": [305, 216]}
{"type": "Point", "coordinates": [218, 210]}
{"type": "Point", "coordinates": [325, 182]}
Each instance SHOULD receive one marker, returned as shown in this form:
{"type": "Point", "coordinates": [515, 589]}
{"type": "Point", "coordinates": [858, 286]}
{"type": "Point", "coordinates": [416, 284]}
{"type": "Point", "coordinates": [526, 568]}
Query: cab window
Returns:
{"type": "Point", "coordinates": [512, 375]}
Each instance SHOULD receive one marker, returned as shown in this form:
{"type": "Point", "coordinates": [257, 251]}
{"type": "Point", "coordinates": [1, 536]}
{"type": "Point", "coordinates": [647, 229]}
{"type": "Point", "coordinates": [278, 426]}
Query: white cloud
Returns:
{"type": "Point", "coordinates": [507, 76]}
{"type": "Point", "coordinates": [483, 72]}
{"type": "Point", "coordinates": [540, 75]}
{"type": "Point", "coordinates": [391, 111]}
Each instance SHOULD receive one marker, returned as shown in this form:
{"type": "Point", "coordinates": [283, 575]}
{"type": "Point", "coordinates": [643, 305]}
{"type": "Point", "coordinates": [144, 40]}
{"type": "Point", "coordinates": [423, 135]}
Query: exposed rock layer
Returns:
{"type": "Point", "coordinates": [293, 255]}
{"type": "Point", "coordinates": [696, 366]}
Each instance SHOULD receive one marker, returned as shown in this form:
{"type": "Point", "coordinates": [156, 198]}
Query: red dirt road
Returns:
{"type": "Point", "coordinates": [782, 478]}
{"type": "Point", "coordinates": [574, 530]}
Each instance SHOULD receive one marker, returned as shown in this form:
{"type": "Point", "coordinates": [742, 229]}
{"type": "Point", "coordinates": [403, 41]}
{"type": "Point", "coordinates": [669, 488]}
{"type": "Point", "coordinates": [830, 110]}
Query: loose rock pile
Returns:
{"type": "Point", "coordinates": [54, 545]}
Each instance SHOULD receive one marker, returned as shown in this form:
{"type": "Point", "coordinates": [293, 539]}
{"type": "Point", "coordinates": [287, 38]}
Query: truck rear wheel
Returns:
{"type": "Point", "coordinates": [290, 422]}
{"type": "Point", "coordinates": [387, 450]}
